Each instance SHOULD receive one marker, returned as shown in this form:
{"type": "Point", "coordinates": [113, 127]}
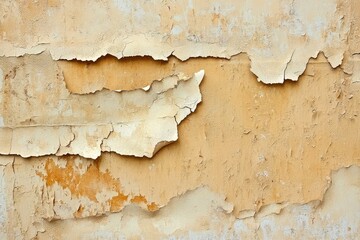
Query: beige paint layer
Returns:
{"type": "Point", "coordinates": [253, 161]}
{"type": "Point", "coordinates": [279, 36]}
{"type": "Point", "coordinates": [40, 116]}
{"type": "Point", "coordinates": [196, 214]}
{"type": "Point", "coordinates": [254, 144]}
{"type": "Point", "coordinates": [202, 214]}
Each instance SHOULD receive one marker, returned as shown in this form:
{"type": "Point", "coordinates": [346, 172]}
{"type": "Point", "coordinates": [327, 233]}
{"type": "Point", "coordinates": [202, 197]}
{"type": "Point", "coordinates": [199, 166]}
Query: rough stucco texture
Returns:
{"type": "Point", "coordinates": [162, 119]}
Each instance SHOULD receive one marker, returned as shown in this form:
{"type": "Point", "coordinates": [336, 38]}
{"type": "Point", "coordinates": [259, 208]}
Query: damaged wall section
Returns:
{"type": "Point", "coordinates": [253, 160]}
{"type": "Point", "coordinates": [137, 122]}
{"type": "Point", "coordinates": [244, 142]}
{"type": "Point", "coordinates": [203, 214]}
{"type": "Point", "coordinates": [279, 37]}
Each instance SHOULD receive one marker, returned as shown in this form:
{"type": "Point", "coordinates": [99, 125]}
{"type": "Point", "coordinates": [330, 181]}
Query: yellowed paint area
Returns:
{"type": "Point", "coordinates": [137, 122]}
{"type": "Point", "coordinates": [111, 73]}
{"type": "Point", "coordinates": [150, 119]}
{"type": "Point", "coordinates": [201, 213]}
{"type": "Point", "coordinates": [89, 184]}
{"type": "Point", "coordinates": [253, 143]}
{"type": "Point", "coordinates": [279, 36]}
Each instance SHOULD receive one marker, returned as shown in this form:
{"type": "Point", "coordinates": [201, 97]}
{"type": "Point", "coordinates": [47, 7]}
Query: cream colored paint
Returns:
{"type": "Point", "coordinates": [279, 36]}
{"type": "Point", "coordinates": [201, 213]}
{"type": "Point", "coordinates": [252, 162]}
{"type": "Point", "coordinates": [311, 133]}
{"type": "Point", "coordinates": [40, 117]}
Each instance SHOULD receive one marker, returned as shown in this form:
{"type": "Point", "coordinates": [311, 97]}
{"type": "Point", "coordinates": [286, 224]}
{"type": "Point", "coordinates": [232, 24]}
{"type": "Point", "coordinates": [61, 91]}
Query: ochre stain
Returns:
{"type": "Point", "coordinates": [79, 212]}
{"type": "Point", "coordinates": [139, 199]}
{"type": "Point", "coordinates": [152, 207]}
{"type": "Point", "coordinates": [215, 17]}
{"type": "Point", "coordinates": [117, 202]}
{"type": "Point", "coordinates": [89, 184]}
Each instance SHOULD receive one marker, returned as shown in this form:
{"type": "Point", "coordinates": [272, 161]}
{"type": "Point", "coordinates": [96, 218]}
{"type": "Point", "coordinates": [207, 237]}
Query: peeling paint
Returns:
{"type": "Point", "coordinates": [201, 213]}
{"type": "Point", "coordinates": [110, 73]}
{"type": "Point", "coordinates": [85, 104]}
{"type": "Point", "coordinates": [279, 44]}
{"type": "Point", "coordinates": [315, 136]}
{"type": "Point", "coordinates": [86, 125]}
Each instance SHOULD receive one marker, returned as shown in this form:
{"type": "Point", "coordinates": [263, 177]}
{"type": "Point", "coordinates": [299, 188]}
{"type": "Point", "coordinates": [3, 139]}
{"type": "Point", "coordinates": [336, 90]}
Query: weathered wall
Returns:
{"type": "Point", "coordinates": [92, 147]}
